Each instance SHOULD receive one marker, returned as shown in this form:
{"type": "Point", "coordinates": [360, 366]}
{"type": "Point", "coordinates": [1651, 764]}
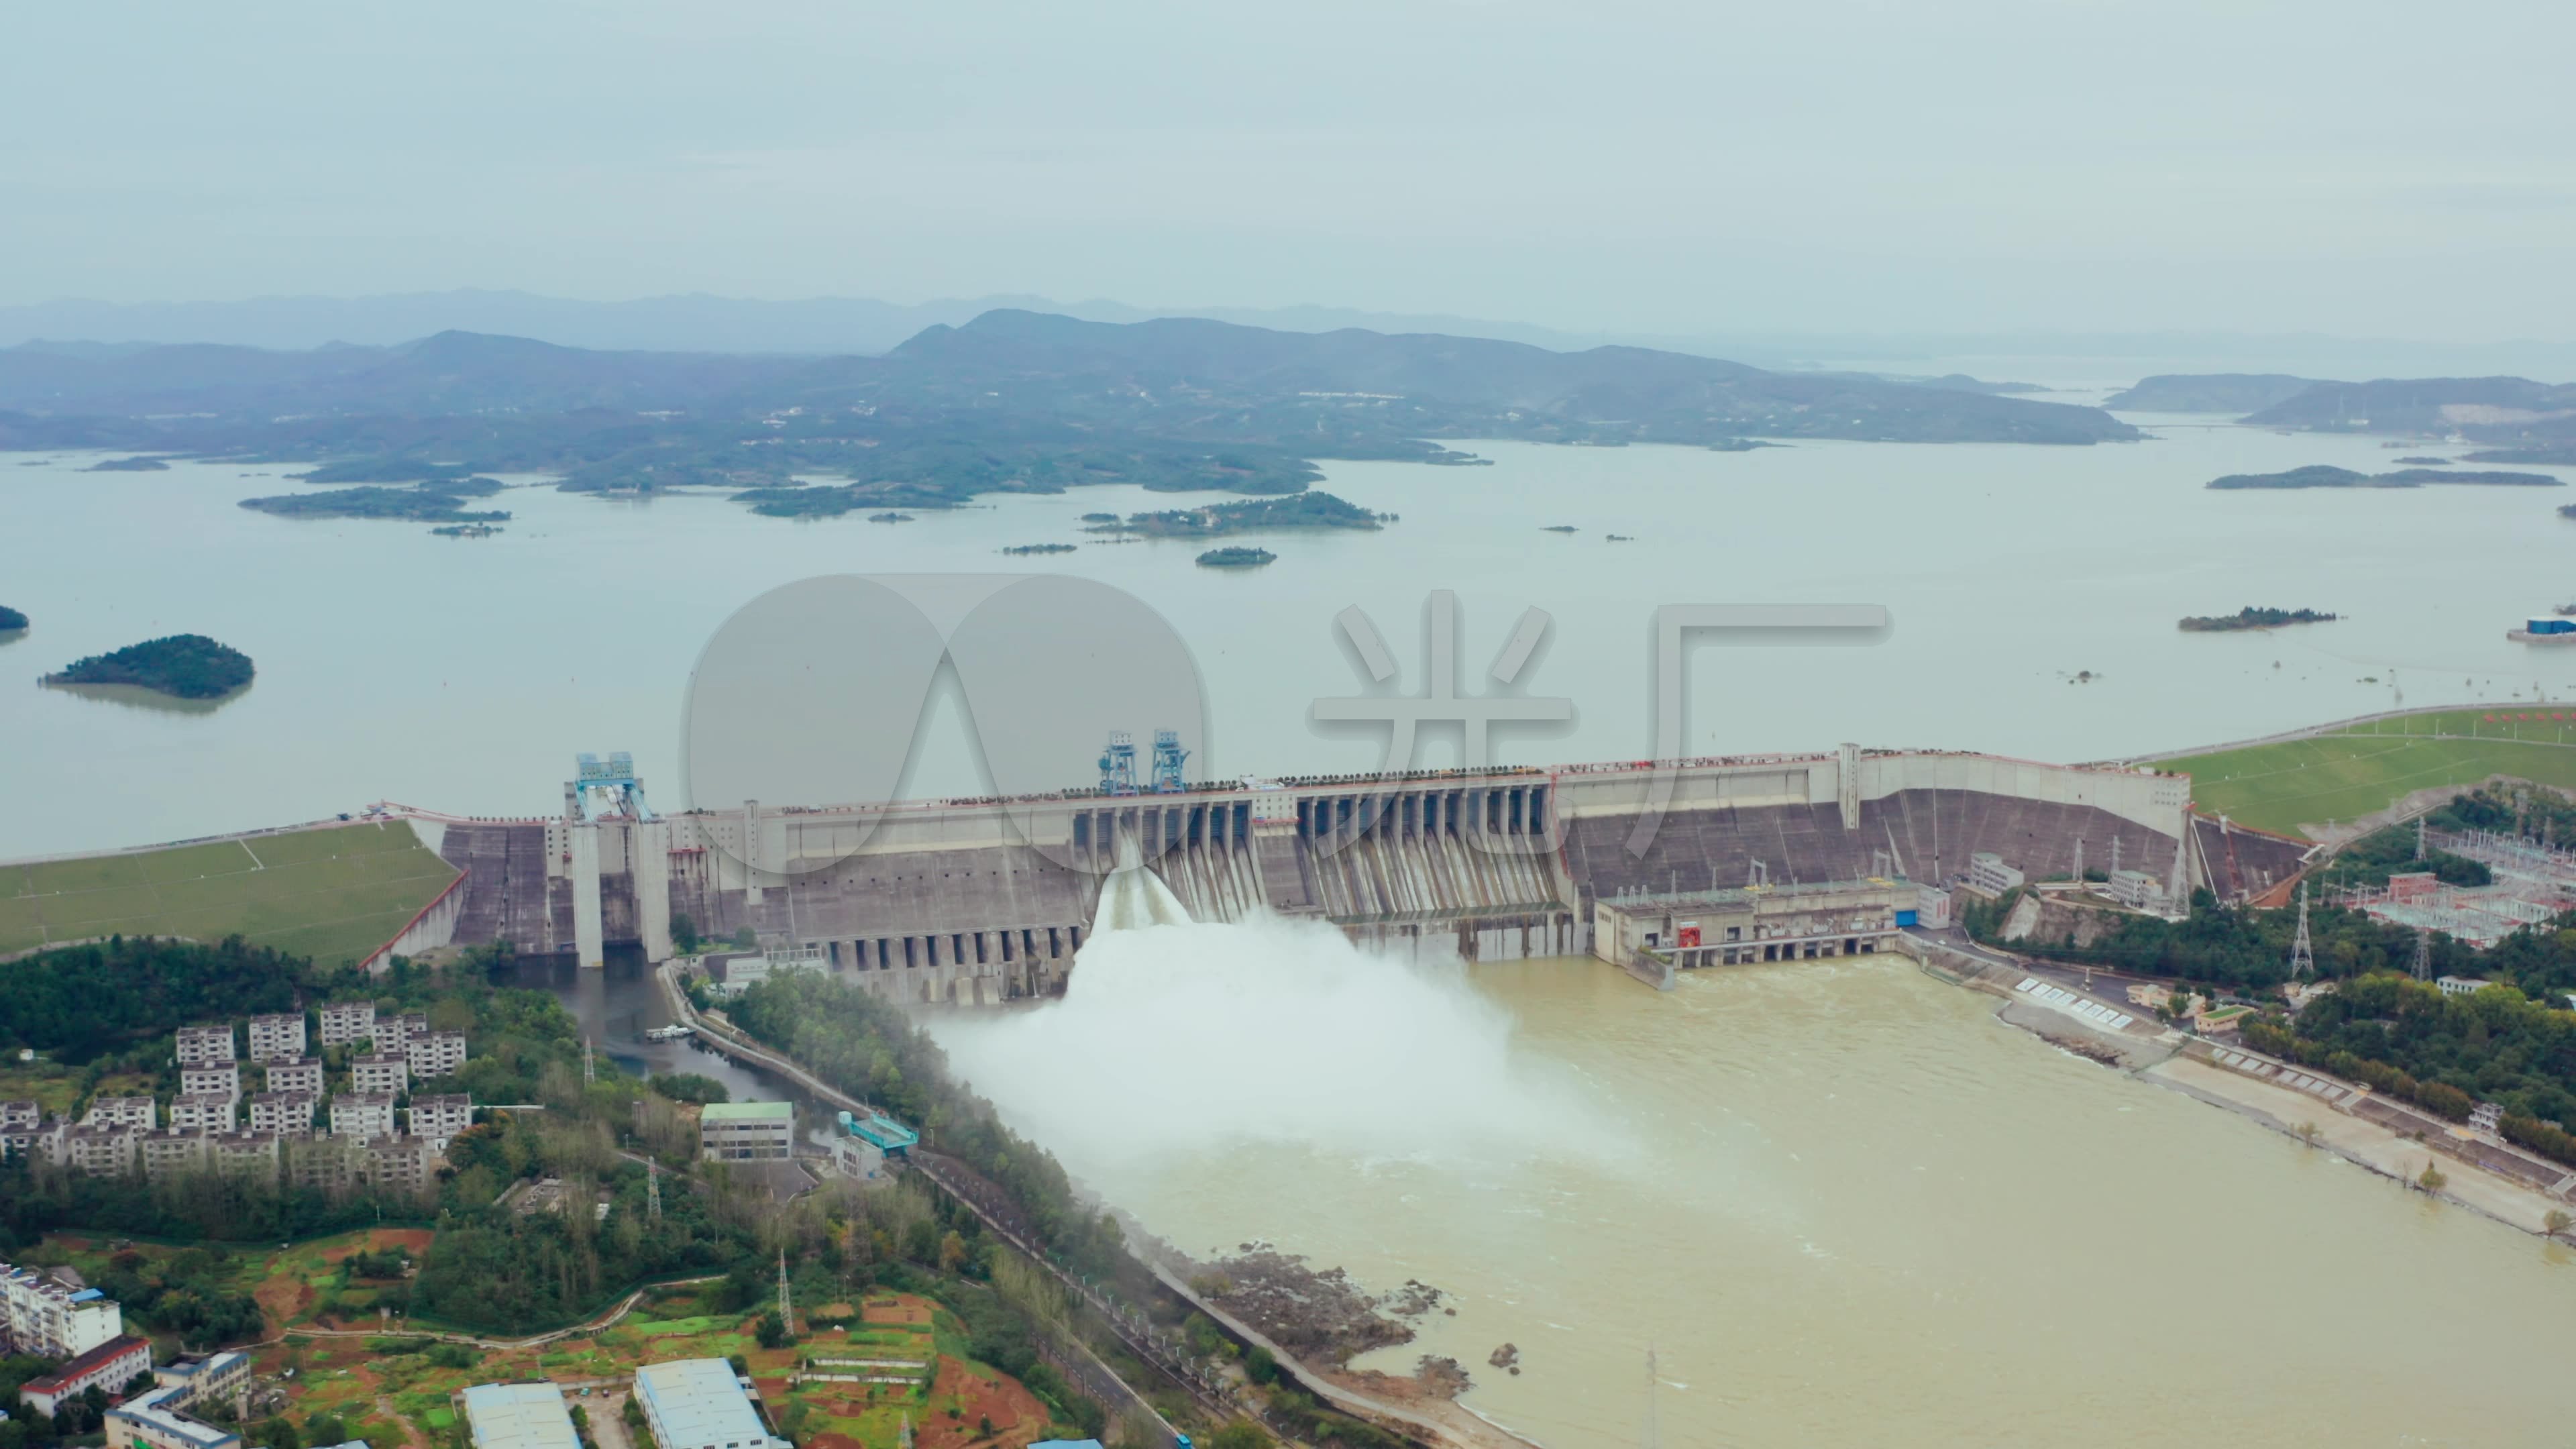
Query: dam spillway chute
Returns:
{"type": "Point", "coordinates": [1133, 897]}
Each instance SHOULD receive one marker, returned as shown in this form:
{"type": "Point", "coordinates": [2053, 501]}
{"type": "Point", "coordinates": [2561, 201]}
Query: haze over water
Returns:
{"type": "Point", "coordinates": [461, 674]}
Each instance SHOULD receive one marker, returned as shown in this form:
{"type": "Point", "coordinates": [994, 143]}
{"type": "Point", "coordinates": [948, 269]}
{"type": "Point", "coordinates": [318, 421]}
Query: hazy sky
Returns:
{"type": "Point", "coordinates": [2353, 167]}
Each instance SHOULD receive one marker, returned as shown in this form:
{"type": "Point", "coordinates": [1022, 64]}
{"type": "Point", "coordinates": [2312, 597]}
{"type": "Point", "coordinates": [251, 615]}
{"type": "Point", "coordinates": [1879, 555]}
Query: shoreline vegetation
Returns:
{"type": "Point", "coordinates": [1021, 550]}
{"type": "Point", "coordinates": [11, 621]}
{"type": "Point", "coordinates": [183, 666]}
{"type": "Point", "coordinates": [2251, 617]}
{"type": "Point", "coordinates": [128, 465]}
{"type": "Point", "coordinates": [2323, 475]}
{"type": "Point", "coordinates": [1236, 558]}
{"type": "Point", "coordinates": [437, 499]}
{"type": "Point", "coordinates": [1308, 510]}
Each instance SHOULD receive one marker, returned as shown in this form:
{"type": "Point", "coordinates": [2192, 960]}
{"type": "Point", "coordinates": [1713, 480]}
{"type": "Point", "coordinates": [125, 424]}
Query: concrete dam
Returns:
{"type": "Point", "coordinates": [977, 902]}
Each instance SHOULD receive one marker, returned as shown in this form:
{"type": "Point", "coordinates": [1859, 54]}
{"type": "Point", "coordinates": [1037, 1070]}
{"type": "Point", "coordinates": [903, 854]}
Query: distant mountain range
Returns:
{"type": "Point", "coordinates": [2224, 392]}
{"type": "Point", "coordinates": [1170, 376]}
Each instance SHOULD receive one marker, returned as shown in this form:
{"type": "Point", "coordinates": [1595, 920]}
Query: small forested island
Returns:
{"type": "Point", "coordinates": [1258, 515]}
{"type": "Point", "coordinates": [2560, 454]}
{"type": "Point", "coordinates": [465, 530]}
{"type": "Point", "coordinates": [1100, 518]}
{"type": "Point", "coordinates": [1029, 548]}
{"type": "Point", "coordinates": [2321, 475]}
{"type": "Point", "coordinates": [1560, 528]}
{"type": "Point", "coordinates": [1236, 558]}
{"type": "Point", "coordinates": [11, 621]}
{"type": "Point", "coordinates": [433, 500]}
{"type": "Point", "coordinates": [185, 666]}
{"type": "Point", "coordinates": [2428, 462]}
{"type": "Point", "coordinates": [128, 465]}
{"type": "Point", "coordinates": [2252, 618]}
{"type": "Point", "coordinates": [889, 518]}
{"type": "Point", "coordinates": [1623, 538]}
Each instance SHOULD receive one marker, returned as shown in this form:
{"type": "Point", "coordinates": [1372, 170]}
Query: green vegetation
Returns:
{"type": "Point", "coordinates": [1033, 548]}
{"type": "Point", "coordinates": [2251, 617]}
{"type": "Point", "coordinates": [335, 893]}
{"type": "Point", "coordinates": [2448, 1053]}
{"type": "Point", "coordinates": [78, 1003]}
{"type": "Point", "coordinates": [690, 1087]}
{"type": "Point", "coordinates": [11, 620]}
{"type": "Point", "coordinates": [1236, 558]}
{"type": "Point", "coordinates": [2320, 475]}
{"type": "Point", "coordinates": [438, 499]}
{"type": "Point", "coordinates": [128, 465]}
{"type": "Point", "coordinates": [464, 530]}
{"type": "Point", "coordinates": [186, 666]}
{"type": "Point", "coordinates": [1259, 515]}
{"type": "Point", "coordinates": [2354, 772]}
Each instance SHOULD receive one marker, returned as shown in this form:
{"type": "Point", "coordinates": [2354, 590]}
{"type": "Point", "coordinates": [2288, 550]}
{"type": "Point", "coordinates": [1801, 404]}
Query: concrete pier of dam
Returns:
{"type": "Point", "coordinates": [979, 902]}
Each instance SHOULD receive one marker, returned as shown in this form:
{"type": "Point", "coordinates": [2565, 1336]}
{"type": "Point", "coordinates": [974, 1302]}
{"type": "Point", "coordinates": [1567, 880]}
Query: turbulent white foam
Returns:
{"type": "Point", "coordinates": [1186, 1037]}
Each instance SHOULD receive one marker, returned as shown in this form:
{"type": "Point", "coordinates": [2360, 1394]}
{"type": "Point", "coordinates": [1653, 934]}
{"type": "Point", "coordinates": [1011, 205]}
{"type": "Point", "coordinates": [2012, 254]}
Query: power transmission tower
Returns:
{"type": "Point", "coordinates": [2423, 967]}
{"type": "Point", "coordinates": [786, 1310]}
{"type": "Point", "coordinates": [2303, 957]}
{"type": "Point", "coordinates": [589, 1070]}
{"type": "Point", "coordinates": [2079, 860]}
{"type": "Point", "coordinates": [2419, 836]}
{"type": "Point", "coordinates": [1652, 1437]}
{"type": "Point", "coordinates": [652, 1190]}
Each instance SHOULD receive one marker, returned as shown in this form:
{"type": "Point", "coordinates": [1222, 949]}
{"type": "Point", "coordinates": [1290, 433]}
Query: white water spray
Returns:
{"type": "Point", "coordinates": [1179, 1037]}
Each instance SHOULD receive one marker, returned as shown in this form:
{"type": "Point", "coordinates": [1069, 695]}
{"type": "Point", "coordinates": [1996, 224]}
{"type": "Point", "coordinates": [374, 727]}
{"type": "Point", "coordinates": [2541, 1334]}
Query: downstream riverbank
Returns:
{"type": "Point", "coordinates": [2388, 1138]}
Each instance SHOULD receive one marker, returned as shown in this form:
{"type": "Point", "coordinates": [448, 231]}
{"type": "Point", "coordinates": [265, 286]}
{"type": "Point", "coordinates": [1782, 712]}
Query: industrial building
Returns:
{"type": "Point", "coordinates": [519, 1416]}
{"type": "Point", "coordinates": [697, 1403]}
{"type": "Point", "coordinates": [1753, 923]}
{"type": "Point", "coordinates": [747, 1131]}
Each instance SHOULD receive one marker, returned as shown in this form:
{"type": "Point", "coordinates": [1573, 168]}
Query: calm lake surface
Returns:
{"type": "Point", "coordinates": [462, 674]}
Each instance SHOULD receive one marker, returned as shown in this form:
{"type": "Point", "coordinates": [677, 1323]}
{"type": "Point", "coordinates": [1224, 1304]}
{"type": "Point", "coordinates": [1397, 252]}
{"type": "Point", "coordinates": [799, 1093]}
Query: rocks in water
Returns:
{"type": "Point", "coordinates": [1506, 1358]}
{"type": "Point", "coordinates": [1442, 1376]}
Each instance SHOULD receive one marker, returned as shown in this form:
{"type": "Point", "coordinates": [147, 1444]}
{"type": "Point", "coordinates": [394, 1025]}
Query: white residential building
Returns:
{"type": "Point", "coordinates": [276, 1036]}
{"type": "Point", "coordinates": [205, 1044]}
{"type": "Point", "coordinates": [19, 1114]}
{"type": "Point", "coordinates": [344, 1022]}
{"type": "Point", "coordinates": [138, 1112]}
{"type": "Point", "coordinates": [438, 1119]}
{"type": "Point", "coordinates": [48, 1318]}
{"type": "Point", "coordinates": [395, 1033]}
{"type": "Point", "coordinates": [1989, 876]}
{"type": "Point", "coordinates": [171, 1150]}
{"type": "Point", "coordinates": [436, 1053]}
{"type": "Point", "coordinates": [362, 1115]}
{"type": "Point", "coordinates": [253, 1152]}
{"type": "Point", "coordinates": [282, 1112]}
{"type": "Point", "coordinates": [44, 1139]}
{"type": "Point", "coordinates": [220, 1078]}
{"type": "Point", "coordinates": [101, 1151]}
{"type": "Point", "coordinates": [380, 1072]}
{"type": "Point", "coordinates": [202, 1112]}
{"type": "Point", "coordinates": [304, 1074]}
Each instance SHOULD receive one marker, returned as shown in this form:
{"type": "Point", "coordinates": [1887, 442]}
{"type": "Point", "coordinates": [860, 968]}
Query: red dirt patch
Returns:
{"type": "Point", "coordinates": [1016, 1413]}
{"type": "Point", "coordinates": [282, 1300]}
{"type": "Point", "coordinates": [416, 1240]}
{"type": "Point", "coordinates": [902, 1308]}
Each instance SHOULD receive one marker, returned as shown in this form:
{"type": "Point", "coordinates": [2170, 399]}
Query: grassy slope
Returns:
{"type": "Point", "coordinates": [332, 893]}
{"type": "Point", "coordinates": [2344, 775]}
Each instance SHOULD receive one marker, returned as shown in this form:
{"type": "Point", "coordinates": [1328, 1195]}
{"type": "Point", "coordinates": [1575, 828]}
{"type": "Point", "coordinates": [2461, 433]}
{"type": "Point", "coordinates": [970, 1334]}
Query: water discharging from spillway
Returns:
{"type": "Point", "coordinates": [1176, 1036]}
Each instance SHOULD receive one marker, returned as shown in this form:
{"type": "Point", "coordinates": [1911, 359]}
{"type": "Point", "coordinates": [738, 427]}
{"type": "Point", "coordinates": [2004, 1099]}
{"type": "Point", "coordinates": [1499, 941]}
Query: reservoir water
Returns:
{"type": "Point", "coordinates": [462, 674]}
{"type": "Point", "coordinates": [1846, 1206]}
{"type": "Point", "coordinates": [1843, 1204]}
